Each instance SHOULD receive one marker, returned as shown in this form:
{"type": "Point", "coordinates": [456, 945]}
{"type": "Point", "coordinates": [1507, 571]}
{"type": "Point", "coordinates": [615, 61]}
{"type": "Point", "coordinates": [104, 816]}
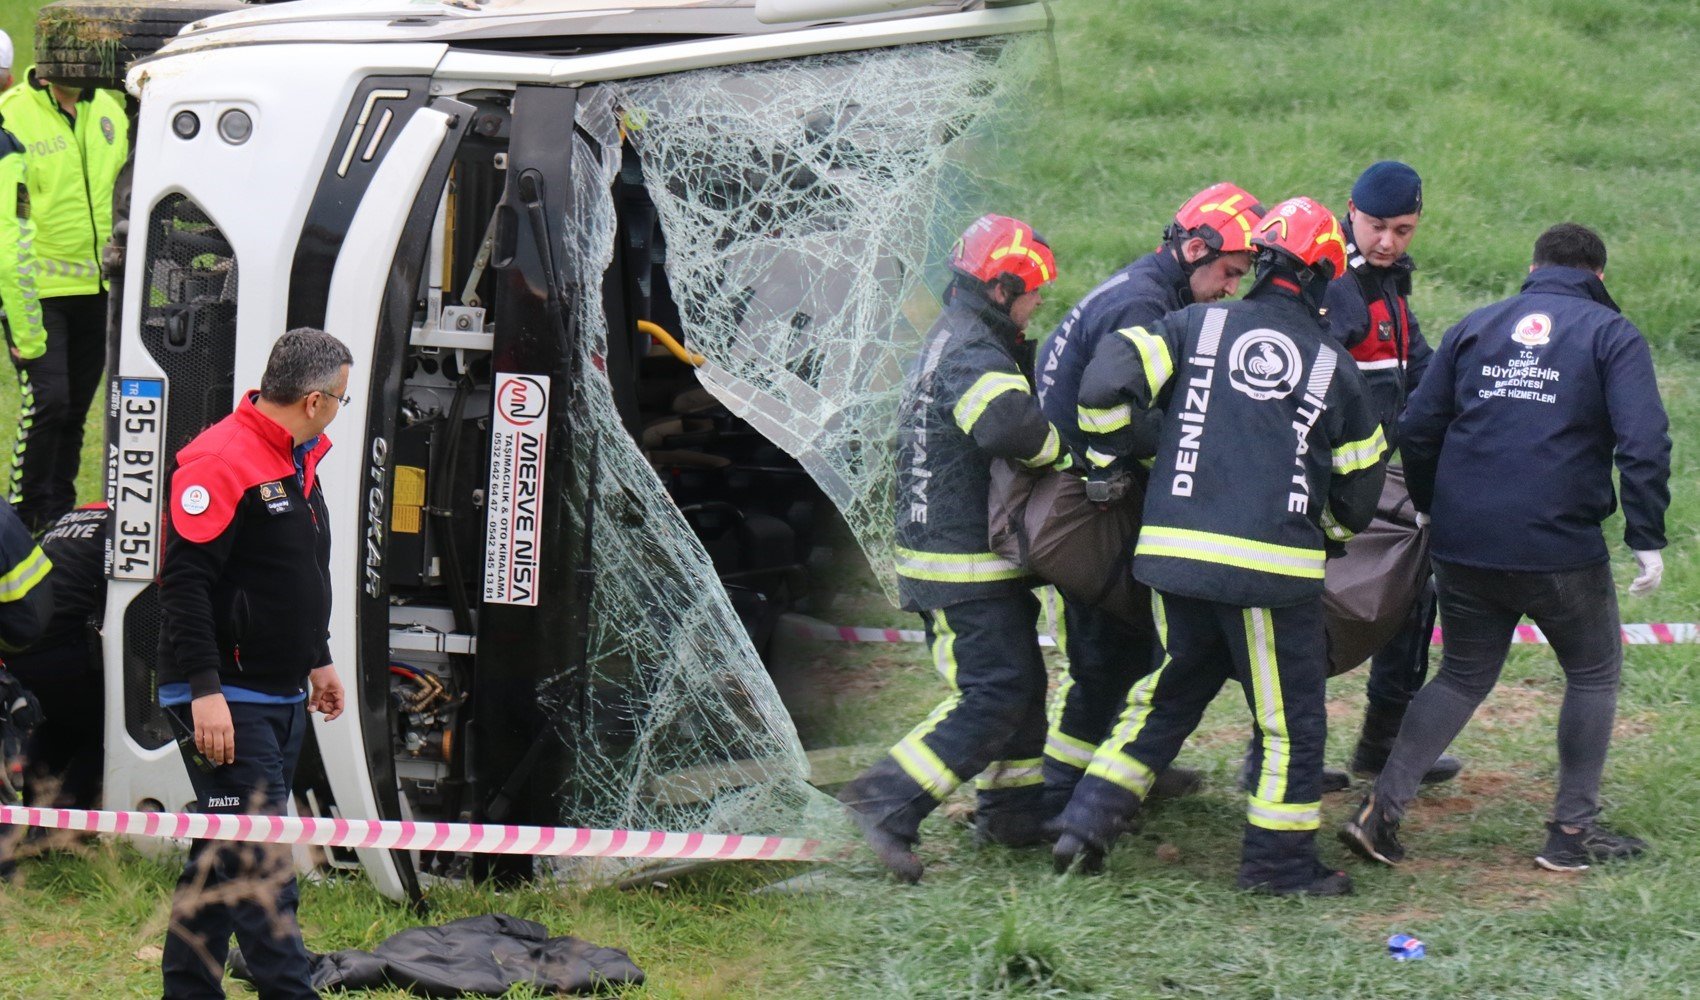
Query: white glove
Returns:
{"type": "Point", "coordinates": [1652, 573]}
{"type": "Point", "coordinates": [1421, 519]}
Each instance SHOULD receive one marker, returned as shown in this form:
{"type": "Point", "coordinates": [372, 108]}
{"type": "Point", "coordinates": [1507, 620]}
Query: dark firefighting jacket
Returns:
{"type": "Point", "coordinates": [1269, 446]}
{"type": "Point", "coordinates": [1368, 310]}
{"type": "Point", "coordinates": [26, 584]}
{"type": "Point", "coordinates": [1139, 294]}
{"type": "Point", "coordinates": [966, 403]}
{"type": "Point", "coordinates": [245, 585]}
{"type": "Point", "coordinates": [1512, 446]}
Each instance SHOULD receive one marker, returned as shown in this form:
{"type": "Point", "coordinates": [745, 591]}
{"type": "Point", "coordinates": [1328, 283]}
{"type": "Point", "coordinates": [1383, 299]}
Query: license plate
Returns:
{"type": "Point", "coordinates": [135, 477]}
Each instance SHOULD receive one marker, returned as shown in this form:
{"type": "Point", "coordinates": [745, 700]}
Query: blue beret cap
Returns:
{"type": "Point", "coordinates": [1387, 189]}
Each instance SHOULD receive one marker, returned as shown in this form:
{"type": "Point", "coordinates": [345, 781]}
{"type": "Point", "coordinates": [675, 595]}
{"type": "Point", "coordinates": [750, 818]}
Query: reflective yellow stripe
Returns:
{"type": "Point", "coordinates": [1121, 770]}
{"type": "Point", "coordinates": [1227, 550]}
{"type": "Point", "coordinates": [1098, 458]}
{"type": "Point", "coordinates": [1048, 453]}
{"type": "Point", "coordinates": [1065, 749]}
{"type": "Point", "coordinates": [1153, 355]}
{"type": "Point", "coordinates": [24, 576]}
{"type": "Point", "coordinates": [1011, 774]}
{"type": "Point", "coordinates": [955, 567]}
{"type": "Point", "coordinates": [1355, 455]}
{"type": "Point", "coordinates": [1334, 529]}
{"type": "Point", "coordinates": [1267, 703]}
{"type": "Point", "coordinates": [1282, 815]}
{"type": "Point", "coordinates": [1109, 762]}
{"type": "Point", "coordinates": [915, 757]}
{"type": "Point", "coordinates": [1094, 420]}
{"type": "Point", "coordinates": [986, 388]}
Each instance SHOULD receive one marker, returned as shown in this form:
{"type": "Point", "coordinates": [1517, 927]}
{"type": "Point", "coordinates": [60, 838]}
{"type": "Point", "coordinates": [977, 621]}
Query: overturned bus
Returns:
{"type": "Point", "coordinates": [629, 290]}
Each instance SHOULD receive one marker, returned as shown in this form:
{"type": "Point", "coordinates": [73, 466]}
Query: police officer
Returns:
{"type": "Point", "coordinates": [1368, 310]}
{"type": "Point", "coordinates": [967, 403]}
{"type": "Point", "coordinates": [245, 591]}
{"type": "Point", "coordinates": [1268, 446]}
{"type": "Point", "coordinates": [1509, 445]}
{"type": "Point", "coordinates": [56, 221]}
{"type": "Point", "coordinates": [1206, 250]}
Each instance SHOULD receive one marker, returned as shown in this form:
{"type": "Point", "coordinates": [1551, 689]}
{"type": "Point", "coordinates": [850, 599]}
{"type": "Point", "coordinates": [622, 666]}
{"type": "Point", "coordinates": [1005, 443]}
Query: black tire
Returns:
{"type": "Point", "coordinates": [91, 43]}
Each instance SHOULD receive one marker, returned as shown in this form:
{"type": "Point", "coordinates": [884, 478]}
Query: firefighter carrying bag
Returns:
{"type": "Point", "coordinates": [1370, 590]}
{"type": "Point", "coordinates": [1041, 520]}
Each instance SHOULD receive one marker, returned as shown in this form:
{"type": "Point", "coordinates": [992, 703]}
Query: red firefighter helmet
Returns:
{"type": "Point", "coordinates": [998, 245]}
{"type": "Point", "coordinates": [1222, 215]}
{"type": "Point", "coordinates": [1307, 233]}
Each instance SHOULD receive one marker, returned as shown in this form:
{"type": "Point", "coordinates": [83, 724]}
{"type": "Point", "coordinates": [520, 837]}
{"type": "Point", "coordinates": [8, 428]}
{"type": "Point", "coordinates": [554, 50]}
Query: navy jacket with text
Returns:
{"type": "Point", "coordinates": [1269, 446]}
{"type": "Point", "coordinates": [245, 586]}
{"type": "Point", "coordinates": [1509, 441]}
{"type": "Point", "coordinates": [1137, 295]}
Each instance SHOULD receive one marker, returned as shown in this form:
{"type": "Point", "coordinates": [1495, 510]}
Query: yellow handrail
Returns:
{"type": "Point", "coordinates": [672, 344]}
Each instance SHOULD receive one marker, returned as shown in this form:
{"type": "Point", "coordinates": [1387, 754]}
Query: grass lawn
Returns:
{"type": "Point", "coordinates": [1518, 115]}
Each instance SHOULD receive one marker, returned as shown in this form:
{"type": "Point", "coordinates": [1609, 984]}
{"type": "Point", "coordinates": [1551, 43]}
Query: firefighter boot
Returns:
{"type": "Point", "coordinates": [890, 833]}
{"type": "Point", "coordinates": [1098, 813]}
{"type": "Point", "coordinates": [1381, 729]}
{"type": "Point", "coordinates": [1284, 863]}
{"type": "Point", "coordinates": [1011, 817]}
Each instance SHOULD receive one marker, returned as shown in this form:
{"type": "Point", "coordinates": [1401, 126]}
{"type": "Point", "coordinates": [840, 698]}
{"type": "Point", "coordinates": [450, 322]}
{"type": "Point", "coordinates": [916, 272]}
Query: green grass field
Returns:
{"type": "Point", "coordinates": [1518, 115]}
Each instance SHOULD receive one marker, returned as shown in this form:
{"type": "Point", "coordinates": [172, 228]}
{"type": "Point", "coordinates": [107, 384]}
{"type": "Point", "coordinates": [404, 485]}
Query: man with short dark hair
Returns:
{"type": "Point", "coordinates": [246, 595]}
{"type": "Point", "coordinates": [1509, 445]}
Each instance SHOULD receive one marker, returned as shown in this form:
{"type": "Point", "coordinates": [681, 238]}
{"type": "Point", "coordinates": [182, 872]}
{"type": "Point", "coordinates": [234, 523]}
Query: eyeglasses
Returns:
{"type": "Point", "coordinates": [341, 400]}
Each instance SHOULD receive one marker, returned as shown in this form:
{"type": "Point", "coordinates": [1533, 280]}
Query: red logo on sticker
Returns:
{"type": "Point", "coordinates": [522, 400]}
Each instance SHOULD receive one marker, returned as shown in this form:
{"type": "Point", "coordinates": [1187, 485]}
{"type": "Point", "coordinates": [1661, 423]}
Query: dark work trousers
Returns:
{"type": "Point", "coordinates": [248, 889]}
{"type": "Point", "coordinates": [55, 391]}
{"type": "Point", "coordinates": [1397, 672]}
{"type": "Point", "coordinates": [1279, 656]}
{"type": "Point", "coordinates": [992, 725]}
{"type": "Point", "coordinates": [65, 751]}
{"type": "Point", "coordinates": [1479, 611]}
{"type": "Point", "coordinates": [1105, 656]}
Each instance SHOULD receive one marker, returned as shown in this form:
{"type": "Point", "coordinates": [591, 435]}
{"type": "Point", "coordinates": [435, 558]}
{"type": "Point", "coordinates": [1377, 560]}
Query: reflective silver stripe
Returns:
{"type": "Point", "coordinates": [1122, 770]}
{"type": "Point", "coordinates": [1096, 421]}
{"type": "Point", "coordinates": [1098, 458]}
{"type": "Point", "coordinates": [69, 269]}
{"type": "Point", "coordinates": [1049, 453]}
{"type": "Point", "coordinates": [1283, 815]}
{"type": "Point", "coordinates": [1365, 366]}
{"type": "Point", "coordinates": [1244, 552]}
{"type": "Point", "coordinates": [1068, 750]}
{"type": "Point", "coordinates": [1333, 528]}
{"type": "Point", "coordinates": [955, 567]}
{"type": "Point", "coordinates": [1322, 372]}
{"type": "Point", "coordinates": [1210, 334]}
{"type": "Point", "coordinates": [1011, 774]}
{"type": "Point", "coordinates": [1357, 455]}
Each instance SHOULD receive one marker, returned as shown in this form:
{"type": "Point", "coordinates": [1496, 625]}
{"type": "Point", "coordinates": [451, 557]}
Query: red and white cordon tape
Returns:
{"type": "Point", "coordinates": [1654, 634]}
{"type": "Point", "coordinates": [407, 835]}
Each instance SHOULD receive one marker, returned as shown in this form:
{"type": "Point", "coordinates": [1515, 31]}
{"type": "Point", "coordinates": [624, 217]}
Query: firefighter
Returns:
{"type": "Point", "coordinates": [1206, 250]}
{"type": "Point", "coordinates": [73, 143]}
{"type": "Point", "coordinates": [26, 605]}
{"type": "Point", "coordinates": [965, 404]}
{"type": "Point", "coordinates": [1368, 310]}
{"type": "Point", "coordinates": [1269, 445]}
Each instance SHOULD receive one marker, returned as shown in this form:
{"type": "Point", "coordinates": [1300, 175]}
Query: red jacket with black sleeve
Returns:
{"type": "Point", "coordinates": [245, 586]}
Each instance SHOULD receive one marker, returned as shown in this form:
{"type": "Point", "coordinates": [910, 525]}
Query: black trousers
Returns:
{"type": "Point", "coordinates": [1105, 656]}
{"type": "Point", "coordinates": [65, 751]}
{"type": "Point", "coordinates": [246, 889]}
{"type": "Point", "coordinates": [55, 392]}
{"type": "Point", "coordinates": [992, 725]}
{"type": "Point", "coordinates": [1480, 609]}
{"type": "Point", "coordinates": [1279, 657]}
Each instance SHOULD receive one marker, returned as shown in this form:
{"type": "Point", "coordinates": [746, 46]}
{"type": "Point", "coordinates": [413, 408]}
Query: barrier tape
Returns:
{"type": "Point", "coordinates": [407, 835]}
{"type": "Point", "coordinates": [1652, 634]}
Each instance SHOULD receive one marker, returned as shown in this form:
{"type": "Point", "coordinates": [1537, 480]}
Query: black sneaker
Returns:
{"type": "Point", "coordinates": [1371, 835]}
{"type": "Point", "coordinates": [1324, 881]}
{"type": "Point", "coordinates": [1573, 852]}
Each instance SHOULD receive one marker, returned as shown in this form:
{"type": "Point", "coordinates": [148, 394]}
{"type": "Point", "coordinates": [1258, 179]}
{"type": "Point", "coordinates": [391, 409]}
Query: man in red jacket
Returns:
{"type": "Point", "coordinates": [245, 591]}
